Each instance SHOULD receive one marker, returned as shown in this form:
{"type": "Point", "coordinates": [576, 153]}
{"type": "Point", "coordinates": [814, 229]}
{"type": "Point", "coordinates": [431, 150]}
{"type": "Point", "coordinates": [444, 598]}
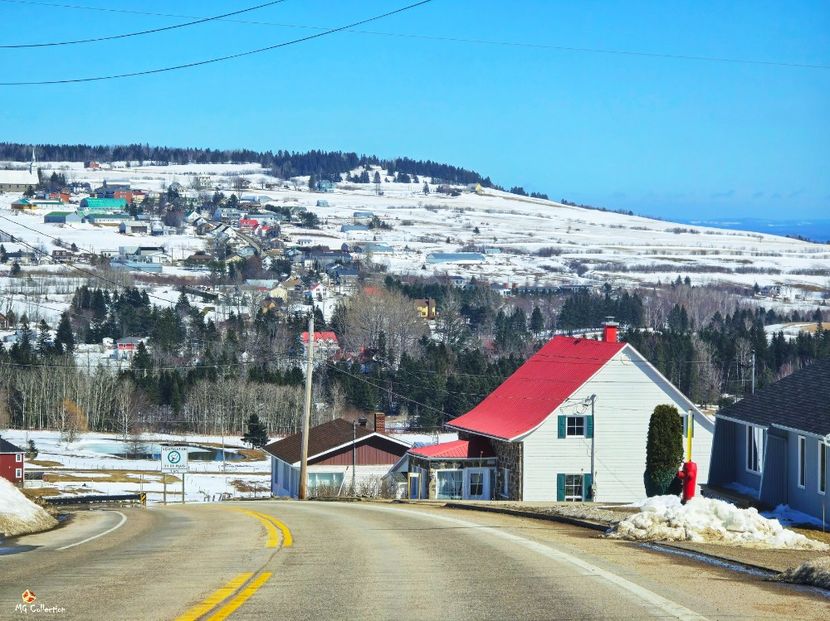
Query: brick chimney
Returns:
{"type": "Point", "coordinates": [609, 330]}
{"type": "Point", "coordinates": [380, 422]}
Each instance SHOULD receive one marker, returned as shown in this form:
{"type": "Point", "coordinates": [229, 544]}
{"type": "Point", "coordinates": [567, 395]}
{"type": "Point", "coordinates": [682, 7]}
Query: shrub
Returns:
{"type": "Point", "coordinates": [664, 451]}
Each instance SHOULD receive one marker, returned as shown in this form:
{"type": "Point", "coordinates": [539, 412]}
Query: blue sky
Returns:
{"type": "Point", "coordinates": [661, 136]}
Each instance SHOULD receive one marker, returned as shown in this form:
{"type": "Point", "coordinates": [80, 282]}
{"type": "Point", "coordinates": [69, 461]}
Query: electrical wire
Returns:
{"type": "Point", "coordinates": [140, 32]}
{"type": "Point", "coordinates": [516, 44]}
{"type": "Point", "coordinates": [218, 59]}
{"type": "Point", "coordinates": [70, 263]}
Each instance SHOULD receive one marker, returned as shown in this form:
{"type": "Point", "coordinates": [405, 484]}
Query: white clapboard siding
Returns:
{"type": "Point", "coordinates": [627, 390]}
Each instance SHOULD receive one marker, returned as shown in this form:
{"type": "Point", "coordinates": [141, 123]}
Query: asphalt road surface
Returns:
{"type": "Point", "coordinates": [289, 560]}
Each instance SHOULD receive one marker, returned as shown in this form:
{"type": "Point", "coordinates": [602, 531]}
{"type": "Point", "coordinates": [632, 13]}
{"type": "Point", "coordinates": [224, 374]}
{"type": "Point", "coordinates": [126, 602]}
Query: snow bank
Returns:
{"type": "Point", "coordinates": [814, 573]}
{"type": "Point", "coordinates": [19, 515]}
{"type": "Point", "coordinates": [707, 520]}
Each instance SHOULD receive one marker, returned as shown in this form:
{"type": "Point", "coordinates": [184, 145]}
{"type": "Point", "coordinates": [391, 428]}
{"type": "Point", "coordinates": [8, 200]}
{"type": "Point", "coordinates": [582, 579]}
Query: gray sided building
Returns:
{"type": "Point", "coordinates": [773, 445]}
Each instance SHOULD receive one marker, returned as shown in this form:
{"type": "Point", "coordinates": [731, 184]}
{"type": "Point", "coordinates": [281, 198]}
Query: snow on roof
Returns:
{"type": "Point", "coordinates": [18, 177]}
{"type": "Point", "coordinates": [538, 387]}
{"type": "Point", "coordinates": [320, 336]}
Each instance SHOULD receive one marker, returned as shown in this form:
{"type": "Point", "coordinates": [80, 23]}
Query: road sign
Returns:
{"type": "Point", "coordinates": [174, 459]}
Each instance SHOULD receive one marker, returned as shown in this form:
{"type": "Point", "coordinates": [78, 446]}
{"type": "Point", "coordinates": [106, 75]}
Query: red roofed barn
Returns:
{"type": "Point", "coordinates": [570, 424]}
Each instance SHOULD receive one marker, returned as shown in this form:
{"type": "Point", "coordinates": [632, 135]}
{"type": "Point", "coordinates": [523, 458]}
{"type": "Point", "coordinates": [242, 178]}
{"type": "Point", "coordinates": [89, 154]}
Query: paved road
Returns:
{"type": "Point", "coordinates": [290, 560]}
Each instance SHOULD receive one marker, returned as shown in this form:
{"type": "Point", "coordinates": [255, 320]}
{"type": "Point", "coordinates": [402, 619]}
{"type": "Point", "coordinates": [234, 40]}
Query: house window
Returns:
{"type": "Point", "coordinates": [754, 439]}
{"type": "Point", "coordinates": [505, 483]}
{"type": "Point", "coordinates": [476, 484]}
{"type": "Point", "coordinates": [18, 457]}
{"type": "Point", "coordinates": [331, 481]}
{"type": "Point", "coordinates": [802, 461]}
{"type": "Point", "coordinates": [18, 473]}
{"type": "Point", "coordinates": [573, 487]}
{"type": "Point", "coordinates": [822, 467]}
{"type": "Point", "coordinates": [450, 483]}
{"type": "Point", "coordinates": [575, 427]}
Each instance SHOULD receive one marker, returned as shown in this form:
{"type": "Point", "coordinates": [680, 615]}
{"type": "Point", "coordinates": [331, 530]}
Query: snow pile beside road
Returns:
{"type": "Point", "coordinates": [19, 515]}
{"type": "Point", "coordinates": [707, 520]}
{"type": "Point", "coordinates": [814, 573]}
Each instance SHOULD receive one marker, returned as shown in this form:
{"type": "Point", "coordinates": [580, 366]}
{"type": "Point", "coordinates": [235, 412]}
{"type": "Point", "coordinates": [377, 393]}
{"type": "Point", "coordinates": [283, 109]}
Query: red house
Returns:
{"type": "Point", "coordinates": [11, 462]}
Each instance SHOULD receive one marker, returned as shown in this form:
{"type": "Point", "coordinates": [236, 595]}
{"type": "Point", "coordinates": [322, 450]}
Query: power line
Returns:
{"type": "Point", "coordinates": [492, 42]}
{"type": "Point", "coordinates": [70, 263]}
{"type": "Point", "coordinates": [220, 58]}
{"type": "Point", "coordinates": [140, 32]}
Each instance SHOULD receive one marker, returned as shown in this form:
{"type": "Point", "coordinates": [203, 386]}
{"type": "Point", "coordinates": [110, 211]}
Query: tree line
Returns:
{"type": "Point", "coordinates": [283, 163]}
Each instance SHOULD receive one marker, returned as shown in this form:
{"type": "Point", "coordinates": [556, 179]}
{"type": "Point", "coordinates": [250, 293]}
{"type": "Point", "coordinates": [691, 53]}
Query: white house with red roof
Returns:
{"type": "Point", "coordinates": [570, 424]}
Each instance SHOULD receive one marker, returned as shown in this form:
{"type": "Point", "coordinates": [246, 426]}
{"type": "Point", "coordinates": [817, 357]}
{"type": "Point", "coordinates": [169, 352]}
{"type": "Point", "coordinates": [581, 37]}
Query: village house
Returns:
{"type": "Point", "coordinates": [62, 217]}
{"type": "Point", "coordinates": [773, 445]}
{"type": "Point", "coordinates": [18, 180]}
{"type": "Point", "coordinates": [337, 450]}
{"type": "Point", "coordinates": [427, 308]}
{"type": "Point", "coordinates": [325, 345]}
{"type": "Point", "coordinates": [569, 425]}
{"type": "Point", "coordinates": [12, 466]}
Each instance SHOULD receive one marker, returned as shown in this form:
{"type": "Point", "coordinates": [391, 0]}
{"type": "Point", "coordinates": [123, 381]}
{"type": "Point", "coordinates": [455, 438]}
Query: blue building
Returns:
{"type": "Point", "coordinates": [455, 257]}
{"type": "Point", "coordinates": [773, 445]}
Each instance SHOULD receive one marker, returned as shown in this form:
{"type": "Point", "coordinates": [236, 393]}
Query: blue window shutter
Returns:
{"type": "Point", "coordinates": [587, 481]}
{"type": "Point", "coordinates": [560, 486]}
{"type": "Point", "coordinates": [589, 426]}
{"type": "Point", "coordinates": [563, 421]}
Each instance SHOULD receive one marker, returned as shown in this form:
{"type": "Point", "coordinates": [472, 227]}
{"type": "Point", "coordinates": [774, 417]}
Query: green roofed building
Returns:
{"type": "Point", "coordinates": [104, 204]}
{"type": "Point", "coordinates": [108, 219]}
{"type": "Point", "coordinates": [61, 217]}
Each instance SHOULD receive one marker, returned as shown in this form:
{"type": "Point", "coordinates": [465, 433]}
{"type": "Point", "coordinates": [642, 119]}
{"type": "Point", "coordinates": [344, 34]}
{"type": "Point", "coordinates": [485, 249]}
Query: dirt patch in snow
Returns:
{"type": "Point", "coordinates": [814, 573]}
{"type": "Point", "coordinates": [707, 520]}
{"type": "Point", "coordinates": [19, 515]}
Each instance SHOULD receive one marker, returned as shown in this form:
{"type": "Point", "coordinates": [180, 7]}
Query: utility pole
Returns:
{"type": "Point", "coordinates": [753, 371]}
{"type": "Point", "coordinates": [593, 449]}
{"type": "Point", "coordinates": [303, 493]}
{"type": "Point", "coordinates": [354, 453]}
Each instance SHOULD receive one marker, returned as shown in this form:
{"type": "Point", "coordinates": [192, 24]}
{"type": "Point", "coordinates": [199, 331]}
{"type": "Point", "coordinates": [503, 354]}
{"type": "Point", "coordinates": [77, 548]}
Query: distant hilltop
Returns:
{"type": "Point", "coordinates": [282, 163]}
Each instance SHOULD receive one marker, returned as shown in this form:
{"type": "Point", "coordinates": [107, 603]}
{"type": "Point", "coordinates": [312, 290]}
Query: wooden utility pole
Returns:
{"type": "Point", "coordinates": [303, 492]}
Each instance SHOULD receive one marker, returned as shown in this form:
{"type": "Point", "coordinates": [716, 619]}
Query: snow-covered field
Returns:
{"type": "Point", "coordinates": [540, 241]}
{"type": "Point", "coordinates": [91, 464]}
{"type": "Point", "coordinates": [708, 520]}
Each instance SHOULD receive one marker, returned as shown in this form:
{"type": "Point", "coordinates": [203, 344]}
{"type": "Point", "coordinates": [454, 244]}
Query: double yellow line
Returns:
{"type": "Point", "coordinates": [272, 525]}
{"type": "Point", "coordinates": [276, 531]}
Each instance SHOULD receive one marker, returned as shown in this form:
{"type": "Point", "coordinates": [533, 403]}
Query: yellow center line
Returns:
{"type": "Point", "coordinates": [215, 598]}
{"type": "Point", "coordinates": [287, 539]}
{"type": "Point", "coordinates": [229, 608]}
{"type": "Point", "coordinates": [273, 537]}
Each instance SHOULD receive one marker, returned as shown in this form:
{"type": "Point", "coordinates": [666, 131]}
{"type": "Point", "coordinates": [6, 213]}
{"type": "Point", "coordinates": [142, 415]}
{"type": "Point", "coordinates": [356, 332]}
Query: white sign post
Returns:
{"type": "Point", "coordinates": [173, 461]}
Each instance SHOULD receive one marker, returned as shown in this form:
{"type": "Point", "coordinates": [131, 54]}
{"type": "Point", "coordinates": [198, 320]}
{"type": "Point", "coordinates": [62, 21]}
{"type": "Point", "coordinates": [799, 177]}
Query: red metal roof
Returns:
{"type": "Point", "coordinates": [538, 387]}
{"type": "Point", "coordinates": [457, 449]}
{"type": "Point", "coordinates": [320, 336]}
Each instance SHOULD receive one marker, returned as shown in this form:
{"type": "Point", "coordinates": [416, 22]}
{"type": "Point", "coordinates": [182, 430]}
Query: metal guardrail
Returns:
{"type": "Point", "coordinates": [98, 500]}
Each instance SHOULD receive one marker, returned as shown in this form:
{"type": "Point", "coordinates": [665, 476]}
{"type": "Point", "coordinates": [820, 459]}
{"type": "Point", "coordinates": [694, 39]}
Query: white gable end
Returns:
{"type": "Point", "coordinates": [626, 390]}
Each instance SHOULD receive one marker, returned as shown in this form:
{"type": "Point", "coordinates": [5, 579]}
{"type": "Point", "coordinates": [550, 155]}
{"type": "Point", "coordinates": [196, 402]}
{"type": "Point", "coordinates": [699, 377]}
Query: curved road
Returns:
{"type": "Point", "coordinates": [291, 560]}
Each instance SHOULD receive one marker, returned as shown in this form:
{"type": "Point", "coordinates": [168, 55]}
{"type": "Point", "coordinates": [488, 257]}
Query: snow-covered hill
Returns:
{"type": "Point", "coordinates": [526, 241]}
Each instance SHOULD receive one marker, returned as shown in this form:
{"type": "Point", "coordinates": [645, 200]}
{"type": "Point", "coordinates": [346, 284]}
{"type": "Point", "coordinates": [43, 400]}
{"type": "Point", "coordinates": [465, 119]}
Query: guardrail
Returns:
{"type": "Point", "coordinates": [98, 500]}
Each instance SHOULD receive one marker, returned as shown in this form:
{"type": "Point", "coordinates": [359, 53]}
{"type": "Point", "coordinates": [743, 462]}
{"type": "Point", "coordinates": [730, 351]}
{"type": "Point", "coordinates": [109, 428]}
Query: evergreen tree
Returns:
{"type": "Point", "coordinates": [64, 339]}
{"type": "Point", "coordinates": [256, 434]}
{"type": "Point", "coordinates": [426, 188]}
{"type": "Point", "coordinates": [44, 344]}
{"type": "Point", "coordinates": [3, 256]}
{"type": "Point", "coordinates": [537, 322]}
{"type": "Point", "coordinates": [15, 271]}
{"type": "Point", "coordinates": [664, 451]}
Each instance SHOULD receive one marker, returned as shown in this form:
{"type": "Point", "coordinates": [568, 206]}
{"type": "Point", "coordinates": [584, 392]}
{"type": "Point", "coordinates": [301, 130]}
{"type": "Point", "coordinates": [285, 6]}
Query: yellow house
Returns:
{"type": "Point", "coordinates": [426, 308]}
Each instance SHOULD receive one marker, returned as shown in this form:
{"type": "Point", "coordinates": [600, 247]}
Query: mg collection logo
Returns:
{"type": "Point", "coordinates": [30, 605]}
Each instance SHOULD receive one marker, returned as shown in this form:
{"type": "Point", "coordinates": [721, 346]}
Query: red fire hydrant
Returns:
{"type": "Point", "coordinates": [688, 475]}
